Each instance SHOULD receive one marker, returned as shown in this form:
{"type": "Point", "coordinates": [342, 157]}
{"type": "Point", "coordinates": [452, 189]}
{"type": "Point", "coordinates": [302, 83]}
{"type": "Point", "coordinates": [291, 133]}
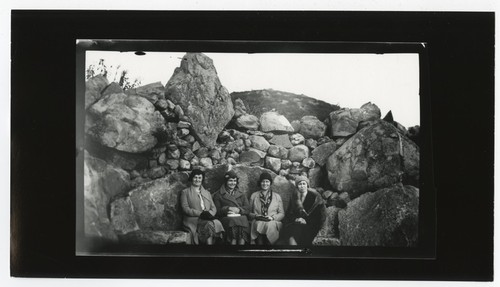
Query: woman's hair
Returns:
{"type": "Point", "coordinates": [196, 172]}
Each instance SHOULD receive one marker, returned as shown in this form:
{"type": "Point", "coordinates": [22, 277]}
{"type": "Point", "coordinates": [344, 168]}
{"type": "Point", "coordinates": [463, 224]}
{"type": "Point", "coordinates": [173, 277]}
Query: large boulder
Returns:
{"type": "Point", "coordinates": [102, 182]}
{"type": "Point", "coordinates": [247, 122]}
{"type": "Point", "coordinates": [311, 127]}
{"type": "Point", "coordinates": [124, 160]}
{"type": "Point", "coordinates": [125, 123]}
{"type": "Point", "coordinates": [387, 217]}
{"type": "Point", "coordinates": [152, 92]}
{"type": "Point", "coordinates": [345, 122]}
{"type": "Point", "coordinates": [322, 152]}
{"type": "Point", "coordinates": [376, 157]}
{"type": "Point", "coordinates": [154, 205]}
{"type": "Point", "coordinates": [285, 188]}
{"type": "Point", "coordinates": [196, 88]}
{"type": "Point", "coordinates": [93, 88]}
{"type": "Point", "coordinates": [274, 122]}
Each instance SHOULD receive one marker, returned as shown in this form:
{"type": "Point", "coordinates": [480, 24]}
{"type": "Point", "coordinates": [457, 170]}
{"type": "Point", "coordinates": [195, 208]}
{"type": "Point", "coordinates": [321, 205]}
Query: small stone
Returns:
{"type": "Point", "coordinates": [296, 125]}
{"type": "Point", "coordinates": [172, 147]}
{"type": "Point", "coordinates": [206, 162]}
{"type": "Point", "coordinates": [153, 163]}
{"type": "Point", "coordinates": [202, 152]}
{"type": "Point", "coordinates": [170, 105]}
{"type": "Point", "coordinates": [134, 174]}
{"type": "Point", "coordinates": [298, 153]}
{"type": "Point", "coordinates": [268, 136]}
{"type": "Point", "coordinates": [194, 161]}
{"type": "Point", "coordinates": [311, 143]}
{"type": "Point", "coordinates": [162, 159]}
{"type": "Point", "coordinates": [196, 146]}
{"type": "Point", "coordinates": [172, 164]}
{"type": "Point", "coordinates": [161, 105]}
{"type": "Point", "coordinates": [184, 164]}
{"type": "Point", "coordinates": [176, 154]}
{"type": "Point", "coordinates": [182, 132]}
{"type": "Point", "coordinates": [231, 161]}
{"type": "Point", "coordinates": [283, 172]}
{"type": "Point", "coordinates": [187, 154]}
{"type": "Point", "coordinates": [297, 139]}
{"type": "Point", "coordinates": [273, 164]}
{"type": "Point", "coordinates": [157, 172]}
{"type": "Point", "coordinates": [235, 155]}
{"type": "Point", "coordinates": [327, 194]}
{"type": "Point", "coordinates": [296, 168]}
{"type": "Point", "coordinates": [281, 140]}
{"type": "Point", "coordinates": [248, 143]}
{"type": "Point", "coordinates": [182, 143]}
{"type": "Point", "coordinates": [323, 140]}
{"type": "Point", "coordinates": [190, 139]}
{"type": "Point", "coordinates": [308, 162]}
{"type": "Point", "coordinates": [224, 136]}
{"type": "Point", "coordinates": [183, 125]}
{"type": "Point", "coordinates": [260, 143]}
{"type": "Point", "coordinates": [178, 111]}
{"type": "Point", "coordinates": [286, 164]}
{"type": "Point", "coordinates": [215, 154]}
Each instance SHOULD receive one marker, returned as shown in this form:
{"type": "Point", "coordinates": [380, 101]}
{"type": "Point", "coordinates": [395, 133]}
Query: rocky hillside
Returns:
{"type": "Point", "coordinates": [141, 145]}
{"type": "Point", "coordinates": [292, 106]}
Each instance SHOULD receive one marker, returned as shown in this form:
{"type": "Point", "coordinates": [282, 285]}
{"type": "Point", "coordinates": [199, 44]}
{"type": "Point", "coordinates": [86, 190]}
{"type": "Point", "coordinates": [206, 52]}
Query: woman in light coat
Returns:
{"type": "Point", "coordinates": [266, 211]}
{"type": "Point", "coordinates": [199, 210]}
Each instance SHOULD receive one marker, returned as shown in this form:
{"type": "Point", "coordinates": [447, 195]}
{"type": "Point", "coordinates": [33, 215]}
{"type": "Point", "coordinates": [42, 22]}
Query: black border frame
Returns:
{"type": "Point", "coordinates": [461, 53]}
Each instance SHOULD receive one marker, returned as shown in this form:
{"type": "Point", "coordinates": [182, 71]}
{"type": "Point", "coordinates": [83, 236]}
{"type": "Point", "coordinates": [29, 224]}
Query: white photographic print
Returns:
{"type": "Point", "coordinates": [253, 150]}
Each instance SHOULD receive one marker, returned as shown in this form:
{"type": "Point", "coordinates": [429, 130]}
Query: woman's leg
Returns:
{"type": "Point", "coordinates": [233, 241]}
{"type": "Point", "coordinates": [210, 240]}
{"type": "Point", "coordinates": [292, 241]}
{"type": "Point", "coordinates": [241, 241]}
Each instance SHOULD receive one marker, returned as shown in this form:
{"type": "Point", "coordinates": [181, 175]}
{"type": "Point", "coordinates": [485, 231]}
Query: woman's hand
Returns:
{"type": "Point", "coordinates": [234, 210]}
{"type": "Point", "coordinates": [300, 220]}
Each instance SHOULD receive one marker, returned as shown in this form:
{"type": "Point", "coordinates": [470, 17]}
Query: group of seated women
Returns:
{"type": "Point", "coordinates": [230, 217]}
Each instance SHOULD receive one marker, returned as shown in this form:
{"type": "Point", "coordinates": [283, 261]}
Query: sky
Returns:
{"type": "Point", "coordinates": [391, 81]}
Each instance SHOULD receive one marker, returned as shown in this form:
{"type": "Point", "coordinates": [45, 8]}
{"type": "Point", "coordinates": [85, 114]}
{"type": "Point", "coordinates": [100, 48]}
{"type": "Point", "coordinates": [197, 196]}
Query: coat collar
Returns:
{"type": "Point", "coordinates": [224, 193]}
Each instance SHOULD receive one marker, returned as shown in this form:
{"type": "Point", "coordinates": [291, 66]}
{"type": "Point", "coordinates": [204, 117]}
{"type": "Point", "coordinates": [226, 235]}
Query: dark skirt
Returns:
{"type": "Point", "coordinates": [209, 228]}
{"type": "Point", "coordinates": [236, 228]}
{"type": "Point", "coordinates": [302, 233]}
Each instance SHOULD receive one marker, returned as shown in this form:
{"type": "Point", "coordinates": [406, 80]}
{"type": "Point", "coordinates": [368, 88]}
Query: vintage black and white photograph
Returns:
{"type": "Point", "coordinates": [250, 149]}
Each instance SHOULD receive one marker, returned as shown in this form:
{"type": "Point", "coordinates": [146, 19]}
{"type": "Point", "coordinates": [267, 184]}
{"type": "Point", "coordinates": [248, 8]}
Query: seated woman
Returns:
{"type": "Point", "coordinates": [232, 208]}
{"type": "Point", "coordinates": [266, 211]}
{"type": "Point", "coordinates": [307, 214]}
{"type": "Point", "coordinates": [199, 210]}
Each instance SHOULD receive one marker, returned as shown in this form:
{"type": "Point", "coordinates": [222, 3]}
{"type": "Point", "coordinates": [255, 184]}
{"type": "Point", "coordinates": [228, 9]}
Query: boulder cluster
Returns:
{"type": "Point", "coordinates": [142, 143]}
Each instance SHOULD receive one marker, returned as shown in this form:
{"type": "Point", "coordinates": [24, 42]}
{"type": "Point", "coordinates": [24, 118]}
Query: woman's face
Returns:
{"type": "Point", "coordinates": [265, 184]}
{"type": "Point", "coordinates": [302, 186]}
{"type": "Point", "coordinates": [231, 183]}
{"type": "Point", "coordinates": [197, 179]}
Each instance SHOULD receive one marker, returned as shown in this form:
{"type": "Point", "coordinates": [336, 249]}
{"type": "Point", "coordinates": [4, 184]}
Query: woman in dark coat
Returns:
{"type": "Point", "coordinates": [266, 211]}
{"type": "Point", "coordinates": [307, 214]}
{"type": "Point", "coordinates": [199, 210]}
{"type": "Point", "coordinates": [232, 209]}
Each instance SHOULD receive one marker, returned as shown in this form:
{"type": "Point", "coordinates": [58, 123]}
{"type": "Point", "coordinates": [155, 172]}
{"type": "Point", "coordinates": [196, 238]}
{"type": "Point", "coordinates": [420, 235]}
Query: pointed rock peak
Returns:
{"type": "Point", "coordinates": [388, 117]}
{"type": "Point", "coordinates": [194, 62]}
